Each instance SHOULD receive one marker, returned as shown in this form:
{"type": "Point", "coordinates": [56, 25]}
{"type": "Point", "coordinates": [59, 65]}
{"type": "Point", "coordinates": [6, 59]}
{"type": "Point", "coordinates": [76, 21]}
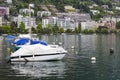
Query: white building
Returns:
{"type": "Point", "coordinates": [29, 22]}
{"type": "Point", "coordinates": [117, 8]}
{"type": "Point", "coordinates": [115, 19]}
{"type": "Point", "coordinates": [90, 25]}
{"type": "Point", "coordinates": [53, 21]}
{"type": "Point", "coordinates": [94, 12]}
{"type": "Point", "coordinates": [65, 22]}
{"type": "Point", "coordinates": [0, 21]}
{"type": "Point", "coordinates": [69, 8]}
{"type": "Point", "coordinates": [75, 16]}
{"type": "Point", "coordinates": [9, 1]}
{"type": "Point", "coordinates": [43, 13]}
{"type": "Point", "coordinates": [4, 11]}
{"type": "Point", "coordinates": [45, 22]}
{"type": "Point", "coordinates": [26, 11]}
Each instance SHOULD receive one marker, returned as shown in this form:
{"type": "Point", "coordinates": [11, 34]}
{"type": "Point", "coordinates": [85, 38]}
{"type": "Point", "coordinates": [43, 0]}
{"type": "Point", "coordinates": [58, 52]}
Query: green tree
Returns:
{"type": "Point", "coordinates": [6, 29]}
{"type": "Point", "coordinates": [69, 31]}
{"type": "Point", "coordinates": [102, 30]}
{"type": "Point", "coordinates": [118, 25]}
{"type": "Point", "coordinates": [2, 31]}
{"type": "Point", "coordinates": [33, 30]}
{"type": "Point", "coordinates": [13, 26]}
{"type": "Point", "coordinates": [22, 27]}
{"type": "Point", "coordinates": [62, 30]}
{"type": "Point", "coordinates": [76, 30]}
{"type": "Point", "coordinates": [55, 28]}
{"type": "Point", "coordinates": [39, 28]}
{"type": "Point", "coordinates": [86, 31]}
{"type": "Point", "coordinates": [49, 28]}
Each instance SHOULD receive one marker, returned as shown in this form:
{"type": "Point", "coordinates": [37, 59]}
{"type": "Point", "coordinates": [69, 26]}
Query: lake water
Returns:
{"type": "Point", "coordinates": [76, 65]}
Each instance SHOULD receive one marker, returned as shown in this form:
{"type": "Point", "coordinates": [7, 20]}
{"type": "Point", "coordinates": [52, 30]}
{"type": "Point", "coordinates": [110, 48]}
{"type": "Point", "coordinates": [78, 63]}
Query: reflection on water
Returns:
{"type": "Point", "coordinates": [77, 64]}
{"type": "Point", "coordinates": [39, 69]}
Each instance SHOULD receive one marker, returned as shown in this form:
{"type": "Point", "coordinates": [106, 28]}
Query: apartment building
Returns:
{"type": "Point", "coordinates": [65, 22]}
{"type": "Point", "coordinates": [43, 13]}
{"type": "Point", "coordinates": [29, 22]}
{"type": "Point", "coordinates": [90, 25]}
{"type": "Point", "coordinates": [4, 11]}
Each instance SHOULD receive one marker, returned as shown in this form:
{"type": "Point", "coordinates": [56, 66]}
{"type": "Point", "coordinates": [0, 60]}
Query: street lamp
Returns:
{"type": "Point", "coordinates": [30, 5]}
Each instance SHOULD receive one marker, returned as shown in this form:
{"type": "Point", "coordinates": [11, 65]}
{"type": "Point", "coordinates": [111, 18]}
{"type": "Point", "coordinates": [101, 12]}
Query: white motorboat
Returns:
{"type": "Point", "coordinates": [38, 52]}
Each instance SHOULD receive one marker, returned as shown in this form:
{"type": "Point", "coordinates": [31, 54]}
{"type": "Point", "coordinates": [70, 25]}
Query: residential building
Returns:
{"type": "Point", "coordinates": [94, 12]}
{"type": "Point", "coordinates": [43, 13]}
{"type": "Point", "coordinates": [29, 22]}
{"type": "Point", "coordinates": [117, 8]}
{"type": "Point", "coordinates": [65, 22]}
{"type": "Point", "coordinates": [110, 12]}
{"type": "Point", "coordinates": [69, 9]}
{"type": "Point", "coordinates": [110, 25]}
{"type": "Point", "coordinates": [90, 25]}
{"type": "Point", "coordinates": [26, 11]}
{"type": "Point", "coordinates": [45, 22]}
{"type": "Point", "coordinates": [4, 14]}
{"type": "Point", "coordinates": [75, 16]}
{"type": "Point", "coordinates": [92, 6]}
{"type": "Point", "coordinates": [8, 1]}
{"type": "Point", "coordinates": [53, 8]}
{"type": "Point", "coordinates": [105, 6]}
{"type": "Point", "coordinates": [114, 19]}
{"type": "Point", "coordinates": [53, 21]}
{"type": "Point", "coordinates": [44, 7]}
{"type": "Point", "coordinates": [4, 11]}
{"type": "Point", "coordinates": [116, 1]}
{"type": "Point", "coordinates": [0, 21]}
{"type": "Point", "coordinates": [14, 18]}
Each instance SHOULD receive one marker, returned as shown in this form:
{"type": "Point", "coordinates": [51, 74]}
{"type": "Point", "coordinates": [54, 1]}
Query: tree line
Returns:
{"type": "Point", "coordinates": [13, 29]}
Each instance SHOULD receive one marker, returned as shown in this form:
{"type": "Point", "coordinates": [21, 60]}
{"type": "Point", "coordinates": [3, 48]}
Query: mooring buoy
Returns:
{"type": "Point", "coordinates": [93, 58]}
{"type": "Point", "coordinates": [111, 50]}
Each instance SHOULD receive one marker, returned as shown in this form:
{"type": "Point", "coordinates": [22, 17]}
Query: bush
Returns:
{"type": "Point", "coordinates": [86, 31]}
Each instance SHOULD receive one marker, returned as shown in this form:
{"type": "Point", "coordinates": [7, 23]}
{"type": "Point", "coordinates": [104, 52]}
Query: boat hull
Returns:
{"type": "Point", "coordinates": [32, 58]}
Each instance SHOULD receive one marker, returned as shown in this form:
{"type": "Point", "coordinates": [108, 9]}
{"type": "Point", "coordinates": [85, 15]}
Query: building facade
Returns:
{"type": "Point", "coordinates": [4, 11]}
{"type": "Point", "coordinates": [43, 13]}
{"type": "Point", "coordinates": [65, 22]}
{"type": "Point", "coordinates": [29, 22]}
{"type": "Point", "coordinates": [90, 25]}
{"type": "Point", "coordinates": [0, 21]}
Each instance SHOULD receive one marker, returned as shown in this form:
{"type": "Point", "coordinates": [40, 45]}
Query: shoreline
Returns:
{"type": "Point", "coordinates": [1, 48]}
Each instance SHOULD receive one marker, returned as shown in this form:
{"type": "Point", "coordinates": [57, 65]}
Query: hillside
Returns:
{"type": "Point", "coordinates": [81, 5]}
{"type": "Point", "coordinates": [78, 4]}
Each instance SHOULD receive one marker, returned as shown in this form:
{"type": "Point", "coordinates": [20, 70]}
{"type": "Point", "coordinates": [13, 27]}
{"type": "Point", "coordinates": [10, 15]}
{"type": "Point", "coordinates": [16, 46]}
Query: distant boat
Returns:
{"type": "Point", "coordinates": [10, 38]}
